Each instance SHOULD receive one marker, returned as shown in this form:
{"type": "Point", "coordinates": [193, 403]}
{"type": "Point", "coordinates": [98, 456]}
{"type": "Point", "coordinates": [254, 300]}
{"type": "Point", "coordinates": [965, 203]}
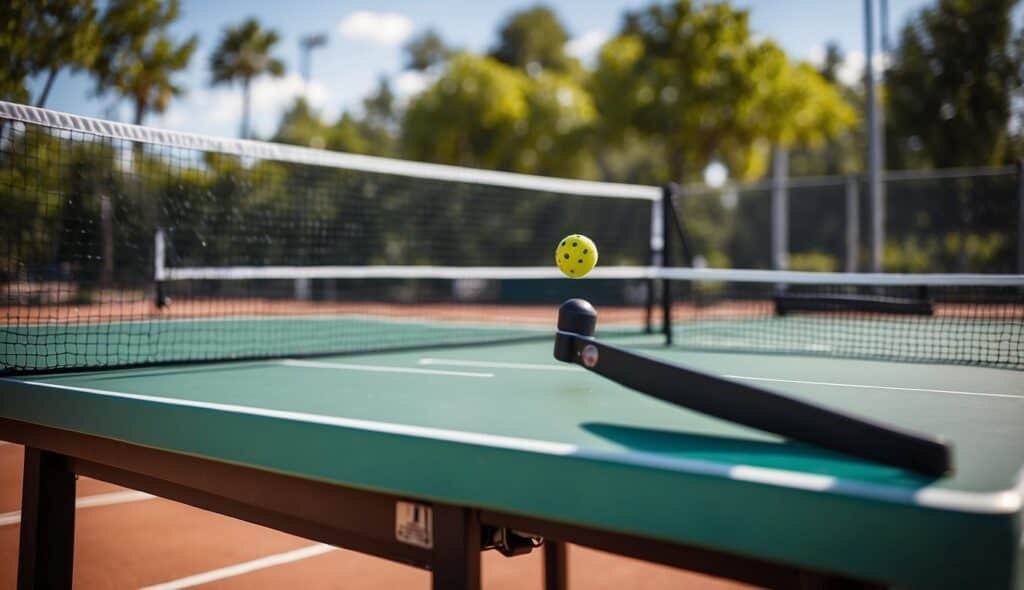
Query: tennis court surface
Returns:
{"type": "Point", "coordinates": [311, 342]}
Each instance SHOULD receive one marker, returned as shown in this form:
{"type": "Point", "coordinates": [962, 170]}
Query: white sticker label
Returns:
{"type": "Point", "coordinates": [414, 524]}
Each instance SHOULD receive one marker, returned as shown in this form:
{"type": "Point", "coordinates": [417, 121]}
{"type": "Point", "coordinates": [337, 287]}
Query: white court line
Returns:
{"type": "Point", "coordinates": [888, 387]}
{"type": "Point", "coordinates": [9, 518]}
{"type": "Point", "coordinates": [244, 568]}
{"type": "Point", "coordinates": [495, 365]}
{"type": "Point", "coordinates": [378, 368]}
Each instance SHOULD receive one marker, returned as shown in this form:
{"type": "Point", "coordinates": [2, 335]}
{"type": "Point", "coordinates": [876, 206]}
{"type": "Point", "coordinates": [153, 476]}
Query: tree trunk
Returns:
{"type": "Point", "coordinates": [601, 157]}
{"type": "Point", "coordinates": [50, 77]}
{"type": "Point", "coordinates": [140, 111]}
{"type": "Point", "coordinates": [245, 108]}
{"type": "Point", "coordinates": [677, 164]}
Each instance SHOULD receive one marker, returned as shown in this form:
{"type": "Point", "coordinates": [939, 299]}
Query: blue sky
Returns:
{"type": "Point", "coordinates": [365, 39]}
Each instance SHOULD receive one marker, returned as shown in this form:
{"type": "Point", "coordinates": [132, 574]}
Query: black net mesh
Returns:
{"type": "Point", "coordinates": [123, 246]}
{"type": "Point", "coordinates": [81, 273]}
{"type": "Point", "coordinates": [966, 323]}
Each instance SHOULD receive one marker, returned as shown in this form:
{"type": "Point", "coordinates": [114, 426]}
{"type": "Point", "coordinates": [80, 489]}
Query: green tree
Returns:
{"type": "Point", "coordinates": [242, 55]}
{"type": "Point", "coordinates": [532, 38]}
{"type": "Point", "coordinates": [425, 51]}
{"type": "Point", "coordinates": [44, 37]}
{"type": "Point", "coordinates": [830, 64]}
{"type": "Point", "coordinates": [302, 125]}
{"type": "Point", "coordinates": [695, 81]}
{"type": "Point", "coordinates": [950, 85]}
{"type": "Point", "coordinates": [138, 59]}
{"type": "Point", "coordinates": [485, 114]}
{"type": "Point", "coordinates": [380, 122]}
{"type": "Point", "coordinates": [842, 153]}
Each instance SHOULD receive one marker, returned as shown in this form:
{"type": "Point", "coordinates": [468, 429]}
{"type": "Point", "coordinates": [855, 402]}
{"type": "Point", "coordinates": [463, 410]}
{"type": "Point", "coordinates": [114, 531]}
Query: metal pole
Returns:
{"type": "Point", "coordinates": [882, 187]}
{"type": "Point", "coordinates": [780, 209]}
{"type": "Point", "coordinates": [656, 248]}
{"type": "Point", "coordinates": [1020, 217]}
{"type": "Point", "coordinates": [306, 46]}
{"type": "Point", "coordinates": [668, 192]}
{"type": "Point", "coordinates": [852, 224]}
{"type": "Point", "coordinates": [874, 163]}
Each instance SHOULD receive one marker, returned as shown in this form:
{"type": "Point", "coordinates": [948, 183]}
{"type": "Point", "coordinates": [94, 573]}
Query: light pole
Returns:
{"type": "Point", "coordinates": [875, 129]}
{"type": "Point", "coordinates": [306, 45]}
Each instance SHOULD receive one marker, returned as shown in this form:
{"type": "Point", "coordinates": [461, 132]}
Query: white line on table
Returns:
{"type": "Point", "coordinates": [244, 568]}
{"type": "Point", "coordinates": [860, 386]}
{"type": "Point", "coordinates": [379, 368]}
{"type": "Point", "coordinates": [9, 518]}
{"type": "Point", "coordinates": [495, 364]}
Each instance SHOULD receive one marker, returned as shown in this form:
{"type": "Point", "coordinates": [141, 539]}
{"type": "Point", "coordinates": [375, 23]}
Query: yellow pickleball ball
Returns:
{"type": "Point", "coordinates": [576, 255]}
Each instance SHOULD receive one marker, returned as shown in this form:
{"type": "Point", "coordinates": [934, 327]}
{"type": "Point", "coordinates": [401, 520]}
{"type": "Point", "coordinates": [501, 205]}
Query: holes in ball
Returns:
{"type": "Point", "coordinates": [566, 256]}
{"type": "Point", "coordinates": [574, 244]}
{"type": "Point", "coordinates": [580, 261]}
{"type": "Point", "coordinates": [584, 250]}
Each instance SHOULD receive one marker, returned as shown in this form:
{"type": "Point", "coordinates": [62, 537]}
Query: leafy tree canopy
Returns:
{"type": "Point", "coordinates": [951, 84]}
{"type": "Point", "coordinates": [44, 37]}
{"type": "Point", "coordinates": [483, 113]}
{"type": "Point", "coordinates": [425, 51]}
{"type": "Point", "coordinates": [244, 53]}
{"type": "Point", "coordinates": [695, 76]}
{"type": "Point", "coordinates": [533, 39]}
{"type": "Point", "coordinates": [137, 58]}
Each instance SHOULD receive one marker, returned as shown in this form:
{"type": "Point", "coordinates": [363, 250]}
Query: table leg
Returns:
{"type": "Point", "coordinates": [456, 548]}
{"type": "Point", "coordinates": [46, 550]}
{"type": "Point", "coordinates": [555, 565]}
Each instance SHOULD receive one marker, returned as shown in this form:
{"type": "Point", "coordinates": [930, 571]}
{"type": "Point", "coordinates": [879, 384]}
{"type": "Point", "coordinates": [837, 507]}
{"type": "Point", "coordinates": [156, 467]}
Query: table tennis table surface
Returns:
{"type": "Point", "coordinates": [506, 427]}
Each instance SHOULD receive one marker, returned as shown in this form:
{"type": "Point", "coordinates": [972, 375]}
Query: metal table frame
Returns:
{"type": "Point", "coordinates": [355, 519]}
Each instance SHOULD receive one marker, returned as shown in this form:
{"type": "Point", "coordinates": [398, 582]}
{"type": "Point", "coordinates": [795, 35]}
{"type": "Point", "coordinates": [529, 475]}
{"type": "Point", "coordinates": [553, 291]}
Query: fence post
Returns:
{"type": "Point", "coordinates": [852, 224]}
{"type": "Point", "coordinates": [667, 212]}
{"type": "Point", "coordinates": [656, 249]}
{"type": "Point", "coordinates": [780, 208]}
{"type": "Point", "coordinates": [1020, 217]}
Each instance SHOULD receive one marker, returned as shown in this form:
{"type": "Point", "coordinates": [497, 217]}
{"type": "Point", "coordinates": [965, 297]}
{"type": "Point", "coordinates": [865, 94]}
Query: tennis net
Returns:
{"type": "Point", "coordinates": [129, 246]}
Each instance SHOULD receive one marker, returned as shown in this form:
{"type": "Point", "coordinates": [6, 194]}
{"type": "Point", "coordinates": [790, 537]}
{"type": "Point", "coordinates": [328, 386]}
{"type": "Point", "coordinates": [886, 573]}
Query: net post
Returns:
{"type": "Point", "coordinates": [852, 224]}
{"type": "Point", "coordinates": [159, 270]}
{"type": "Point", "coordinates": [780, 208]}
{"type": "Point", "coordinates": [656, 249]}
{"type": "Point", "coordinates": [668, 192]}
{"type": "Point", "coordinates": [1020, 217]}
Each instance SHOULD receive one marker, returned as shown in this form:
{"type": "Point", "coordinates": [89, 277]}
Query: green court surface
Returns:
{"type": "Point", "coordinates": [507, 428]}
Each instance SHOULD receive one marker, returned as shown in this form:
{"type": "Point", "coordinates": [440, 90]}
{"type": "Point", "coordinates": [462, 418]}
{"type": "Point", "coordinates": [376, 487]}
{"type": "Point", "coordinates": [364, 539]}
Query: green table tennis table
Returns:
{"type": "Point", "coordinates": [424, 457]}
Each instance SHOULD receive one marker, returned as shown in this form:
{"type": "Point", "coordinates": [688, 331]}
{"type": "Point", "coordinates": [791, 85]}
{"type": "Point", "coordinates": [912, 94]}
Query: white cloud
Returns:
{"type": "Point", "coordinates": [586, 45]}
{"type": "Point", "coordinates": [851, 70]}
{"type": "Point", "coordinates": [382, 28]}
{"type": "Point", "coordinates": [411, 82]}
{"type": "Point", "coordinates": [219, 111]}
{"type": "Point", "coordinates": [270, 95]}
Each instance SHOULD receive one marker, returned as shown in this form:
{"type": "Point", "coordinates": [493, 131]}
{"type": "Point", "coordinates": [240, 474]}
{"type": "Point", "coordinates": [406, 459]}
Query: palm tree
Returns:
{"type": "Point", "coordinates": [146, 78]}
{"type": "Point", "coordinates": [136, 58]}
{"type": "Point", "coordinates": [243, 54]}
